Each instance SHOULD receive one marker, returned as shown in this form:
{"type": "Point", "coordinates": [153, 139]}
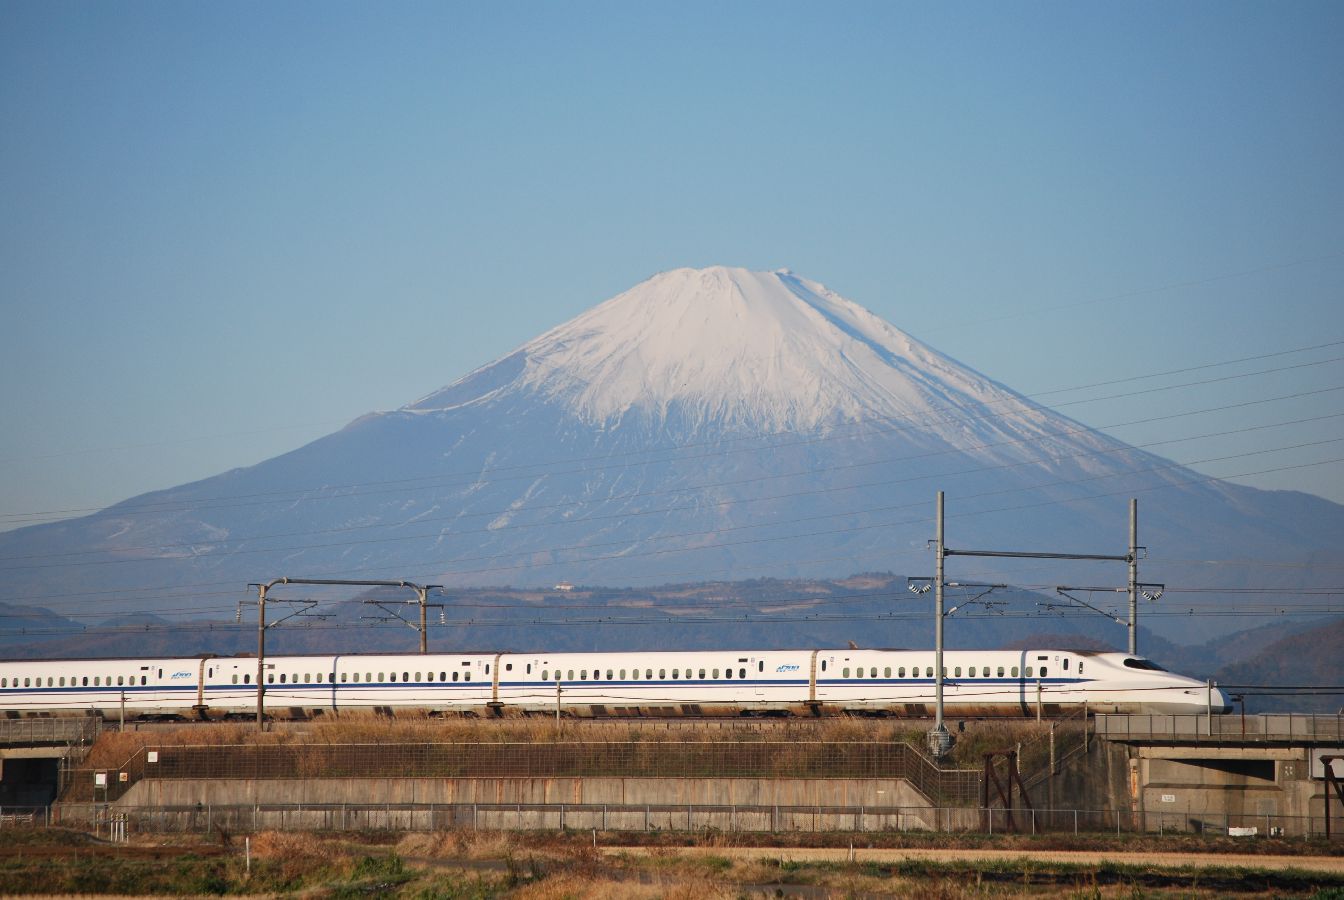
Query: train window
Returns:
{"type": "Point", "coordinates": [583, 675]}
{"type": "Point", "coordinates": [845, 672]}
{"type": "Point", "coordinates": [662, 674]}
{"type": "Point", "coordinates": [62, 681]}
{"type": "Point", "coordinates": [282, 678]}
{"type": "Point", "coordinates": [1066, 665]}
{"type": "Point", "coordinates": [160, 673]}
{"type": "Point", "coordinates": [1000, 671]}
{"type": "Point", "coordinates": [247, 679]}
{"type": "Point", "coordinates": [886, 673]}
{"type": "Point", "coordinates": [1013, 671]}
{"type": "Point", "coordinates": [676, 673]}
{"type": "Point", "coordinates": [235, 677]}
{"type": "Point", "coordinates": [716, 673]}
{"type": "Point", "coordinates": [570, 676]}
{"type": "Point", "coordinates": [609, 678]}
{"type": "Point", "coordinates": [487, 670]}
{"type": "Point", "coordinates": [4, 682]}
{"type": "Point", "coordinates": [545, 674]}
{"type": "Point", "coordinates": [872, 673]}
{"type": "Point", "coordinates": [508, 667]}
{"type": "Point", "coordinates": [741, 673]}
{"type": "Point", "coordinates": [270, 678]}
{"type": "Point", "coordinates": [381, 676]}
{"type": "Point", "coordinates": [823, 665]}
{"type": "Point", "coordinates": [900, 673]}
{"type": "Point", "coordinates": [928, 671]}
{"type": "Point", "coordinates": [454, 676]}
{"type": "Point", "coordinates": [985, 672]}
{"type": "Point", "coordinates": [634, 673]}
{"type": "Point", "coordinates": [443, 676]}
{"type": "Point", "coordinates": [760, 666]}
{"type": "Point", "coordinates": [727, 673]}
{"type": "Point", "coordinates": [1080, 667]}
{"type": "Point", "coordinates": [1042, 671]}
{"type": "Point", "coordinates": [417, 676]}
{"type": "Point", "coordinates": [466, 676]}
{"type": "Point", "coordinates": [529, 668]}
{"type": "Point", "coordinates": [85, 680]}
{"type": "Point", "coordinates": [143, 680]}
{"type": "Point", "coordinates": [957, 672]}
{"type": "Point", "coordinates": [702, 673]}
{"type": "Point", "coordinates": [622, 674]}
{"type": "Point", "coordinates": [405, 676]}
{"type": "Point", "coordinates": [1028, 671]}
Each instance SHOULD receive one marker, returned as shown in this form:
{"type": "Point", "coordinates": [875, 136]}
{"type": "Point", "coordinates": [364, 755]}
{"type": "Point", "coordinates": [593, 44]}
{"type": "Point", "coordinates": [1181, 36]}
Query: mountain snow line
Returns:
{"type": "Point", "coordinates": [1090, 454]}
{"type": "Point", "coordinates": [820, 517]}
{"type": "Point", "coordinates": [530, 470]}
{"type": "Point", "coordinates": [299, 496]}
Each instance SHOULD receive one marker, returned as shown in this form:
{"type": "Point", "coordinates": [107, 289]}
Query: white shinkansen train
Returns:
{"type": "Point", "coordinates": [693, 683]}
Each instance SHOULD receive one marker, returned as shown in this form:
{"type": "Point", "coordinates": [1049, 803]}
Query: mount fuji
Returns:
{"type": "Point", "coordinates": [705, 425]}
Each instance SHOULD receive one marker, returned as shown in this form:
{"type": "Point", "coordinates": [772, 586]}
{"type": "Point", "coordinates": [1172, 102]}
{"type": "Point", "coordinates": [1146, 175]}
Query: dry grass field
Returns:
{"type": "Point", "coordinates": [466, 864]}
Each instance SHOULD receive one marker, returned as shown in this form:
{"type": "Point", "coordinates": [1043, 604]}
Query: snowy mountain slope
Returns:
{"type": "Point", "coordinates": [704, 425]}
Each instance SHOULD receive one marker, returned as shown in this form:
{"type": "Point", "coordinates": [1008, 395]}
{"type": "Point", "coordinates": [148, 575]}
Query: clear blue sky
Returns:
{"type": "Point", "coordinates": [227, 229]}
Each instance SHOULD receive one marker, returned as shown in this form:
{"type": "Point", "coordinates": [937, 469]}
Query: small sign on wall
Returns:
{"type": "Point", "coordinates": [152, 756]}
{"type": "Point", "coordinates": [100, 779]}
{"type": "Point", "coordinates": [1168, 798]}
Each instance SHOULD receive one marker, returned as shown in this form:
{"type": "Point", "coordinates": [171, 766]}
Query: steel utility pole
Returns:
{"type": "Point", "coordinates": [1133, 577]}
{"type": "Point", "coordinates": [940, 739]}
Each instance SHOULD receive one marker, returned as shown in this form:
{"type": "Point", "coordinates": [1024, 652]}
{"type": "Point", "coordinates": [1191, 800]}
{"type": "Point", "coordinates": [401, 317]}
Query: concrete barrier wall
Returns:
{"type": "Point", "coordinates": [837, 792]}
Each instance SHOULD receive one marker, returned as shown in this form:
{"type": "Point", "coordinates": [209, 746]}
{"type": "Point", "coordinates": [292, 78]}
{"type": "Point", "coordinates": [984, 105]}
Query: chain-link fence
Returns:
{"type": "Point", "coordinates": [689, 818]}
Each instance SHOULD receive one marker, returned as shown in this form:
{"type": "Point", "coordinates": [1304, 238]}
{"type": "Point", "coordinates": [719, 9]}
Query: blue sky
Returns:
{"type": "Point", "coordinates": [228, 229]}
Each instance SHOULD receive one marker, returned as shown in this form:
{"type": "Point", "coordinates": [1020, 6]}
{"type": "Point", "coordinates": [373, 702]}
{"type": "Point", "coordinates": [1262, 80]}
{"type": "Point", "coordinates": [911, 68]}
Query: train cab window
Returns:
{"type": "Point", "coordinates": [1145, 664]}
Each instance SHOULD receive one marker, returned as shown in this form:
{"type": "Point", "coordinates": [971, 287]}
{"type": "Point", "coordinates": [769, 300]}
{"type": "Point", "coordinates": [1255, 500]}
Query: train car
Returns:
{"type": "Point", "coordinates": [661, 683]}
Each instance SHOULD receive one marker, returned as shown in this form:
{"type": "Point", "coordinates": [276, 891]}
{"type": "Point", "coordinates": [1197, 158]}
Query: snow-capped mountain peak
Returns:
{"type": "Point", "coordinates": [747, 350]}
